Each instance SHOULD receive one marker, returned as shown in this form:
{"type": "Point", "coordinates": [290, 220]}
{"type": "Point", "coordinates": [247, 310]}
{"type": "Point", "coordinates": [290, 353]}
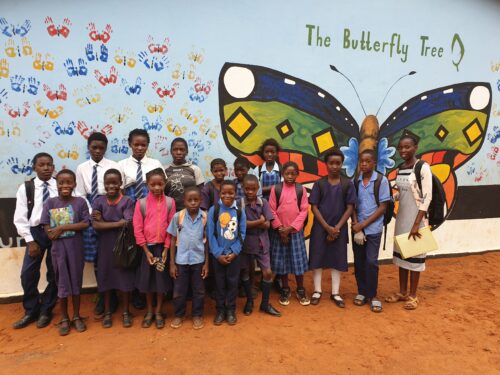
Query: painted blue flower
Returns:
{"type": "Point", "coordinates": [384, 156]}
{"type": "Point", "coordinates": [351, 157]}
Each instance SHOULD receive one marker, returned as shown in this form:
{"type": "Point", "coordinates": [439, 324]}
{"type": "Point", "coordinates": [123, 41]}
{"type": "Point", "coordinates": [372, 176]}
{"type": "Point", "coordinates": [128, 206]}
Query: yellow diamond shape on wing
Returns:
{"type": "Point", "coordinates": [441, 134]}
{"type": "Point", "coordinates": [240, 124]}
{"type": "Point", "coordinates": [473, 132]}
{"type": "Point", "coordinates": [285, 129]}
{"type": "Point", "coordinates": [324, 142]}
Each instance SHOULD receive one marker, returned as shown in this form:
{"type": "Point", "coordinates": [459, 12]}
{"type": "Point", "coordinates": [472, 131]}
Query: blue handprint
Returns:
{"type": "Point", "coordinates": [33, 85]}
{"type": "Point", "coordinates": [3, 95]}
{"type": "Point", "coordinates": [82, 67]}
{"type": "Point", "coordinates": [70, 68]}
{"type": "Point", "coordinates": [89, 51]}
{"type": "Point", "coordinates": [124, 148]}
{"type": "Point", "coordinates": [24, 28]}
{"type": "Point", "coordinates": [146, 124]}
{"type": "Point", "coordinates": [104, 53]}
{"type": "Point", "coordinates": [20, 168]}
{"type": "Point", "coordinates": [144, 58]}
{"type": "Point", "coordinates": [5, 27]}
{"type": "Point", "coordinates": [16, 82]}
{"type": "Point", "coordinates": [160, 64]}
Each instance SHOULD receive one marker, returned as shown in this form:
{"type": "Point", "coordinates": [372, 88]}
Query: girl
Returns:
{"type": "Point", "coordinates": [269, 173]}
{"type": "Point", "coordinates": [413, 205]}
{"type": "Point", "coordinates": [110, 213]}
{"type": "Point", "coordinates": [64, 218]}
{"type": "Point", "coordinates": [211, 191]}
{"type": "Point", "coordinates": [332, 199]}
{"type": "Point", "coordinates": [152, 216]}
{"type": "Point", "coordinates": [288, 249]}
{"type": "Point", "coordinates": [181, 173]}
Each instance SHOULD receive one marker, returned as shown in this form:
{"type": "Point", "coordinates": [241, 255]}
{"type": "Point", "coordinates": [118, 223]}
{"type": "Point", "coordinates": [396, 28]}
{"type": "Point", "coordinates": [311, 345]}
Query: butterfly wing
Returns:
{"type": "Point", "coordinates": [449, 122]}
{"type": "Point", "coordinates": [256, 103]}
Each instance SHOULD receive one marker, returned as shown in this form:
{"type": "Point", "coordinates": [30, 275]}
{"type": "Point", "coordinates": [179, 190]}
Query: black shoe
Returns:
{"type": "Point", "coordinates": [99, 307]}
{"type": "Point", "coordinates": [113, 302]}
{"type": "Point", "coordinates": [43, 320]}
{"type": "Point", "coordinates": [231, 318]}
{"type": "Point", "coordinates": [107, 322]}
{"type": "Point", "coordinates": [219, 318]}
{"type": "Point", "coordinates": [24, 321]}
{"type": "Point", "coordinates": [270, 310]}
{"type": "Point", "coordinates": [248, 309]}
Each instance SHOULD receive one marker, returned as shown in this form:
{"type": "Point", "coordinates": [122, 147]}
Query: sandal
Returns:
{"type": "Point", "coordinates": [375, 305]}
{"type": "Point", "coordinates": [337, 299]}
{"type": "Point", "coordinates": [79, 324]}
{"type": "Point", "coordinates": [148, 320]}
{"type": "Point", "coordinates": [411, 303]}
{"type": "Point", "coordinates": [107, 322]}
{"type": "Point", "coordinates": [127, 320]}
{"type": "Point", "coordinates": [359, 300]}
{"type": "Point", "coordinates": [64, 327]}
{"type": "Point", "coordinates": [315, 298]}
{"type": "Point", "coordinates": [159, 321]}
{"type": "Point", "coordinates": [396, 297]}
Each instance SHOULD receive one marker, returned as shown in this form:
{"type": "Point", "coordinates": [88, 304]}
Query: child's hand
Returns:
{"type": "Point", "coordinates": [96, 215]}
{"type": "Point", "coordinates": [414, 232]}
{"type": "Point", "coordinates": [55, 233]}
{"type": "Point", "coordinates": [204, 271]}
{"type": "Point", "coordinates": [33, 249]}
{"type": "Point", "coordinates": [164, 255]}
{"type": "Point", "coordinates": [230, 257]}
{"type": "Point", "coordinates": [150, 257]}
{"type": "Point", "coordinates": [333, 231]}
{"type": "Point", "coordinates": [123, 222]}
{"type": "Point", "coordinates": [284, 238]}
{"type": "Point", "coordinates": [223, 260]}
{"type": "Point", "coordinates": [173, 270]}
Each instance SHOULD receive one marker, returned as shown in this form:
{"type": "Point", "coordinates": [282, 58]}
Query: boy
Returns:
{"type": "Point", "coordinates": [226, 229]}
{"type": "Point", "coordinates": [256, 245]}
{"type": "Point", "coordinates": [90, 185]}
{"type": "Point", "coordinates": [29, 202]}
{"type": "Point", "coordinates": [367, 223]}
{"type": "Point", "coordinates": [211, 190]}
{"type": "Point", "coordinates": [241, 167]}
{"type": "Point", "coordinates": [189, 257]}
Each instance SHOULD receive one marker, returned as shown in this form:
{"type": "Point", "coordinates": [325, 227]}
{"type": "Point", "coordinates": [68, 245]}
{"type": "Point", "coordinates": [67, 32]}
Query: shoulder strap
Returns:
{"type": "Point", "coordinates": [182, 215]}
{"type": "Point", "coordinates": [344, 182]}
{"type": "Point", "coordinates": [211, 193]}
{"type": "Point", "coordinates": [300, 192]}
{"type": "Point", "coordinates": [376, 188]}
{"type": "Point", "coordinates": [260, 170]}
{"type": "Point", "coordinates": [418, 173]}
{"type": "Point", "coordinates": [204, 217]}
{"type": "Point", "coordinates": [30, 195]}
{"type": "Point", "coordinates": [278, 188]}
{"type": "Point", "coordinates": [260, 201]}
{"type": "Point", "coordinates": [142, 205]}
{"type": "Point", "coordinates": [241, 203]}
{"type": "Point", "coordinates": [168, 202]}
{"type": "Point", "coordinates": [214, 217]}
{"type": "Point", "coordinates": [322, 186]}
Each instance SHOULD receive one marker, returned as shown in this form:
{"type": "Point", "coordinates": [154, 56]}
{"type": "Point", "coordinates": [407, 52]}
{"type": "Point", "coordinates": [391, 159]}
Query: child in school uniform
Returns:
{"type": "Point", "coordinates": [242, 167]}
{"type": "Point", "coordinates": [152, 216]}
{"type": "Point", "coordinates": [413, 205]}
{"type": "Point", "coordinates": [269, 172]}
{"type": "Point", "coordinates": [30, 198]}
{"type": "Point", "coordinates": [256, 245]}
{"type": "Point", "coordinates": [288, 248]}
{"type": "Point", "coordinates": [134, 170]}
{"type": "Point", "coordinates": [64, 218]}
{"type": "Point", "coordinates": [226, 229]}
{"type": "Point", "coordinates": [90, 185]}
{"type": "Point", "coordinates": [211, 190]}
{"type": "Point", "coordinates": [332, 199]}
{"type": "Point", "coordinates": [181, 173]}
{"type": "Point", "coordinates": [189, 257]}
{"type": "Point", "coordinates": [367, 225]}
{"type": "Point", "coordinates": [110, 213]}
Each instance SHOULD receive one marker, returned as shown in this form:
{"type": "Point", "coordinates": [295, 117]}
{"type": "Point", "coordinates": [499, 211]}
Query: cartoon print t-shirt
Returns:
{"type": "Point", "coordinates": [228, 226]}
{"type": "Point", "coordinates": [180, 177]}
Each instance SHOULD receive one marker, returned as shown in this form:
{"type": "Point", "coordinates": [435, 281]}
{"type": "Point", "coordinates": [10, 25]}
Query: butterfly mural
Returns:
{"type": "Point", "coordinates": [10, 30]}
{"type": "Point", "coordinates": [95, 36]}
{"type": "Point", "coordinates": [13, 50]}
{"type": "Point", "coordinates": [92, 55]}
{"type": "Point", "coordinates": [126, 59]}
{"type": "Point", "coordinates": [21, 111]}
{"type": "Point", "coordinates": [64, 129]}
{"type": "Point", "coordinates": [13, 131]}
{"type": "Point", "coordinates": [165, 91]}
{"type": "Point", "coordinates": [161, 48]}
{"type": "Point", "coordinates": [48, 112]}
{"type": "Point", "coordinates": [60, 94]}
{"type": "Point", "coordinates": [179, 73]}
{"type": "Point", "coordinates": [4, 68]}
{"type": "Point", "coordinates": [119, 146]}
{"type": "Point", "coordinates": [107, 80]}
{"type": "Point", "coordinates": [86, 131]}
{"type": "Point", "coordinates": [44, 65]}
{"type": "Point", "coordinates": [158, 63]}
{"type": "Point", "coordinates": [153, 124]}
{"type": "Point", "coordinates": [256, 103]}
{"type": "Point", "coordinates": [132, 89]}
{"type": "Point", "coordinates": [60, 30]}
{"type": "Point", "coordinates": [76, 70]}
{"type": "Point", "coordinates": [155, 107]}
{"type": "Point", "coordinates": [20, 167]}
{"type": "Point", "coordinates": [17, 84]}
{"type": "Point", "coordinates": [119, 117]}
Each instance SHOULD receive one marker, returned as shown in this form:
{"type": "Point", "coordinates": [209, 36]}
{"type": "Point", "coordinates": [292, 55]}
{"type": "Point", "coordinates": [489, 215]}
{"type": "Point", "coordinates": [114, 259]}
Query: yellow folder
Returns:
{"type": "Point", "coordinates": [410, 247]}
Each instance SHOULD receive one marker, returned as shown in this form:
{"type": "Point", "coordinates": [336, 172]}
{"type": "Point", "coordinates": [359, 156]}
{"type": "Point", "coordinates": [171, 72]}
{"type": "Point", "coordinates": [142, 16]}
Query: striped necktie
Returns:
{"type": "Point", "coordinates": [139, 182]}
{"type": "Point", "coordinates": [94, 191]}
{"type": "Point", "coordinates": [46, 194]}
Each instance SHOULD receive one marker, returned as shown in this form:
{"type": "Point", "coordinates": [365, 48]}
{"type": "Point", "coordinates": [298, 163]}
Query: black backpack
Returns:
{"type": "Point", "coordinates": [30, 195]}
{"type": "Point", "coordinates": [238, 216]}
{"type": "Point", "coordinates": [435, 213]}
{"type": "Point", "coordinates": [389, 211]}
{"type": "Point", "coordinates": [278, 188]}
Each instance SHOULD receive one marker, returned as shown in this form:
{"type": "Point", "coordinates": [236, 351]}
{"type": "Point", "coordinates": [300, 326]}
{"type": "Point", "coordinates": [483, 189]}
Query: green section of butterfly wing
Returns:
{"type": "Point", "coordinates": [462, 131]}
{"type": "Point", "coordinates": [249, 123]}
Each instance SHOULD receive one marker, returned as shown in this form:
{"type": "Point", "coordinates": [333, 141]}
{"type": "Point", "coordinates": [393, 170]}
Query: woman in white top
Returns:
{"type": "Point", "coordinates": [413, 205]}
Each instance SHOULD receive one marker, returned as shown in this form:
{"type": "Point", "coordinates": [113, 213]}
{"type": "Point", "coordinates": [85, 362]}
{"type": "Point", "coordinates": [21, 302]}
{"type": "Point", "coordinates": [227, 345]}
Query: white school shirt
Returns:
{"type": "Point", "coordinates": [21, 221]}
{"type": "Point", "coordinates": [128, 167]}
{"type": "Point", "coordinates": [84, 176]}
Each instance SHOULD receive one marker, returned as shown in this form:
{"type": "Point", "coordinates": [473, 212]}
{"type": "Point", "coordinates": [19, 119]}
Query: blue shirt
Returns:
{"type": "Point", "coordinates": [367, 205]}
{"type": "Point", "coordinates": [227, 240]}
{"type": "Point", "coordinates": [190, 246]}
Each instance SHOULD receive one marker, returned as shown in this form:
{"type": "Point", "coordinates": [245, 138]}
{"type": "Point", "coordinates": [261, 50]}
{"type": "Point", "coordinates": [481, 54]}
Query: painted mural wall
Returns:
{"type": "Point", "coordinates": [226, 75]}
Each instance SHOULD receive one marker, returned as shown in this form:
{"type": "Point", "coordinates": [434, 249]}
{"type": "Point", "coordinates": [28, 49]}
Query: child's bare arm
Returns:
{"type": "Point", "coordinates": [256, 223]}
{"type": "Point", "coordinates": [108, 225]}
{"type": "Point", "coordinates": [347, 213]}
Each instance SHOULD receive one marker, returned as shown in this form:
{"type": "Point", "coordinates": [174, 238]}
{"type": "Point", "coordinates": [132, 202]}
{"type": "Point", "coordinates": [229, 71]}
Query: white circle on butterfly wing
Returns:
{"type": "Point", "coordinates": [239, 82]}
{"type": "Point", "coordinates": [479, 97]}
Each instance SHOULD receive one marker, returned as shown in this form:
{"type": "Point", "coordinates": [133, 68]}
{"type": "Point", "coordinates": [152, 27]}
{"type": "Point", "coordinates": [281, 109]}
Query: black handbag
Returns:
{"type": "Point", "coordinates": [126, 254]}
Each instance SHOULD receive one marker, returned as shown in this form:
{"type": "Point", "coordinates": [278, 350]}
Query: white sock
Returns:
{"type": "Point", "coordinates": [335, 281]}
{"type": "Point", "coordinates": [317, 273]}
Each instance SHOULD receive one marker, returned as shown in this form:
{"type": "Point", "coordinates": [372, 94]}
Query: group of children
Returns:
{"type": "Point", "coordinates": [196, 237]}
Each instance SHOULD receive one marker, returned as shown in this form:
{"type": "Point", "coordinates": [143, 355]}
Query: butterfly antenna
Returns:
{"type": "Point", "coordinates": [332, 67]}
{"type": "Point", "coordinates": [390, 88]}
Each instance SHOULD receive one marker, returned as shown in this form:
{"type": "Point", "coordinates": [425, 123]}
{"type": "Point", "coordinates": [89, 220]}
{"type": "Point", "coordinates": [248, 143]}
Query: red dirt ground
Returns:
{"type": "Point", "coordinates": [455, 330]}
